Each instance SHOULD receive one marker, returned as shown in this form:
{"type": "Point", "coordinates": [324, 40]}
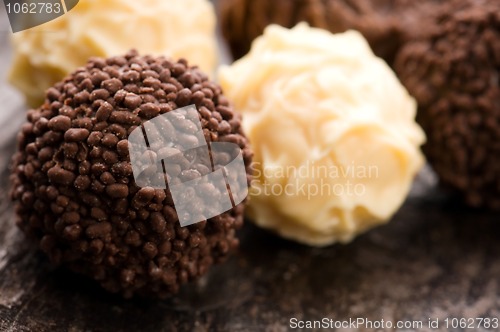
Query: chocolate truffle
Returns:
{"type": "Point", "coordinates": [73, 183]}
{"type": "Point", "coordinates": [453, 72]}
{"type": "Point", "coordinates": [47, 53]}
{"type": "Point", "coordinates": [386, 24]}
{"type": "Point", "coordinates": [333, 131]}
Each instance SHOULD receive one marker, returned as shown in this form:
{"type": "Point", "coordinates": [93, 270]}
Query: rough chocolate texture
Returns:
{"type": "Point", "coordinates": [453, 72]}
{"type": "Point", "coordinates": [73, 185]}
{"type": "Point", "coordinates": [386, 24]}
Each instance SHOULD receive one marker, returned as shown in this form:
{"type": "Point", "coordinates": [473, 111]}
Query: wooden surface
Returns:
{"type": "Point", "coordinates": [435, 259]}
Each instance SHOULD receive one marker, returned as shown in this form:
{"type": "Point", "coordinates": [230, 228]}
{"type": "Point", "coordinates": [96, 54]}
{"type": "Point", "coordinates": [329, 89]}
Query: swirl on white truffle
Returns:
{"type": "Point", "coordinates": [333, 131]}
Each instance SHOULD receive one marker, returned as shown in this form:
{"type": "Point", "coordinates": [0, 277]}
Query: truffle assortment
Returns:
{"type": "Point", "coordinates": [73, 186]}
{"type": "Point", "coordinates": [73, 183]}
{"type": "Point", "coordinates": [445, 52]}
{"type": "Point", "coordinates": [453, 72]}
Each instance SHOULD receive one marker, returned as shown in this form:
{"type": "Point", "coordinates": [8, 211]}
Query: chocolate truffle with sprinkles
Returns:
{"type": "Point", "coordinates": [73, 184]}
{"type": "Point", "coordinates": [453, 72]}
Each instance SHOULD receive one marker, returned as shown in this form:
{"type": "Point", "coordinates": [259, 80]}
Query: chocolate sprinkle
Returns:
{"type": "Point", "coordinates": [453, 72]}
{"type": "Point", "coordinates": [73, 186]}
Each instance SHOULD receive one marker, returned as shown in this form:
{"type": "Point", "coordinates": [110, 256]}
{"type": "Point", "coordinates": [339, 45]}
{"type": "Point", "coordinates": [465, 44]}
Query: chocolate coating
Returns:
{"type": "Point", "coordinates": [73, 186]}
{"type": "Point", "coordinates": [386, 24]}
{"type": "Point", "coordinates": [453, 72]}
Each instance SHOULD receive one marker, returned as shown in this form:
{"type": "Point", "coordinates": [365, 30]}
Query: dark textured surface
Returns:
{"type": "Point", "coordinates": [435, 259]}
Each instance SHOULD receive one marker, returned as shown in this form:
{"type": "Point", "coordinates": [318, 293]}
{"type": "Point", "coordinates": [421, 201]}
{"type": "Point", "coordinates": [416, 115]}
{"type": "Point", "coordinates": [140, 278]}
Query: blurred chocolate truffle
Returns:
{"type": "Point", "coordinates": [386, 24]}
{"type": "Point", "coordinates": [453, 72]}
{"type": "Point", "coordinates": [73, 183]}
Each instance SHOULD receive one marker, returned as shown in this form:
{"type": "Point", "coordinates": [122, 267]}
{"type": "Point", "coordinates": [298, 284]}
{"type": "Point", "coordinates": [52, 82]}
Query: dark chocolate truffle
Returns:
{"type": "Point", "coordinates": [453, 72]}
{"type": "Point", "coordinates": [386, 24]}
{"type": "Point", "coordinates": [73, 183]}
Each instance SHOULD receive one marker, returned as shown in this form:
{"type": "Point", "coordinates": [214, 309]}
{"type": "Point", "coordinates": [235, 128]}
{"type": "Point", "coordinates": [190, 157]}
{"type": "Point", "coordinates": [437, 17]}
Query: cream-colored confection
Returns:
{"type": "Point", "coordinates": [178, 28]}
{"type": "Point", "coordinates": [333, 131]}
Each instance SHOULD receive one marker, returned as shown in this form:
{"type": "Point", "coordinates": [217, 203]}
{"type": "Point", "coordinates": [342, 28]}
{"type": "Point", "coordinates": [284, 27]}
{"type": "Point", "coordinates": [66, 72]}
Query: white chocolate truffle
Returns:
{"type": "Point", "coordinates": [178, 28]}
{"type": "Point", "coordinates": [333, 131]}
